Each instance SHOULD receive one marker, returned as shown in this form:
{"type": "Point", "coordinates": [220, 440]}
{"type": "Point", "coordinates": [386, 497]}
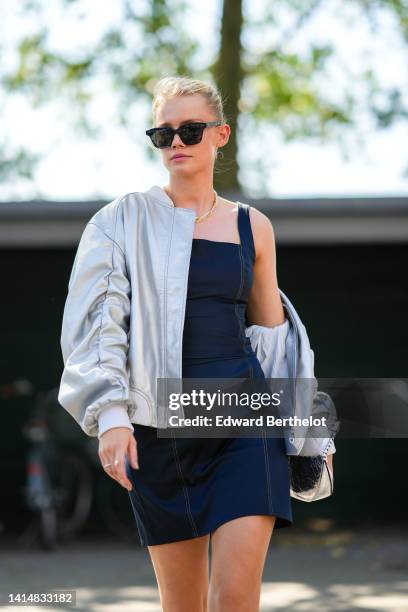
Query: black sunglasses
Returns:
{"type": "Point", "coordinates": [190, 133]}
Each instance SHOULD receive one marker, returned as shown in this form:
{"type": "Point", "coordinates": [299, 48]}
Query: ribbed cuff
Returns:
{"type": "Point", "coordinates": [114, 416]}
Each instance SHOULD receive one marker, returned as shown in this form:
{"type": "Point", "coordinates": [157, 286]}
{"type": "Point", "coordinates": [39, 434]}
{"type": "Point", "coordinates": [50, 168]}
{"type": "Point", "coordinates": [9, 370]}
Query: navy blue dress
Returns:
{"type": "Point", "coordinates": [187, 487]}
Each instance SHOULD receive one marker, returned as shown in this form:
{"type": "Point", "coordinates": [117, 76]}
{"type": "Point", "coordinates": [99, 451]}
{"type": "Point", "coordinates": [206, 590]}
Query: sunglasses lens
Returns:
{"type": "Point", "coordinates": [191, 134]}
{"type": "Point", "coordinates": [162, 138]}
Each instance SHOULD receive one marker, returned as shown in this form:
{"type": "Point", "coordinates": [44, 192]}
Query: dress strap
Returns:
{"type": "Point", "coordinates": [245, 229]}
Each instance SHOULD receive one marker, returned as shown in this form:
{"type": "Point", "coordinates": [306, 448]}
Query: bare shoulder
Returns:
{"type": "Point", "coordinates": [262, 231]}
{"type": "Point", "coordinates": [227, 204]}
{"type": "Point", "coordinates": [260, 223]}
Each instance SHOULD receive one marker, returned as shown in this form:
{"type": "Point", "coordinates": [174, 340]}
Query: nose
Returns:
{"type": "Point", "coordinates": [177, 140]}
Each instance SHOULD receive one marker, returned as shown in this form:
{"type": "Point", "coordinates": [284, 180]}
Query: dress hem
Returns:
{"type": "Point", "coordinates": [281, 522]}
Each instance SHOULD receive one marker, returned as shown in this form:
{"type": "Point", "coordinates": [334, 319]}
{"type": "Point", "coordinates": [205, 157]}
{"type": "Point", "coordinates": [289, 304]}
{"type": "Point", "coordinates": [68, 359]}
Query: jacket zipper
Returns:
{"type": "Point", "coordinates": [183, 309]}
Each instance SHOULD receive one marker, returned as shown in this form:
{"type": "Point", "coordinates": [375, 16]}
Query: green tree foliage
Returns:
{"type": "Point", "coordinates": [263, 81]}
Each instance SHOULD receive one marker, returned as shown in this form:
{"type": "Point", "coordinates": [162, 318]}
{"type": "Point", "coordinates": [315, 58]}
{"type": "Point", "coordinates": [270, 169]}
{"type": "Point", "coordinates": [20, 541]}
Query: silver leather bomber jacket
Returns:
{"type": "Point", "coordinates": [124, 313]}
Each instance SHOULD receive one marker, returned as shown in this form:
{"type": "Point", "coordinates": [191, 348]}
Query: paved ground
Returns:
{"type": "Point", "coordinates": [316, 570]}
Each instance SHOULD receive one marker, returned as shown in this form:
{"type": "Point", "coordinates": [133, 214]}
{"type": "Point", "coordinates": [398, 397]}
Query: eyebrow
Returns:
{"type": "Point", "coordinates": [182, 122]}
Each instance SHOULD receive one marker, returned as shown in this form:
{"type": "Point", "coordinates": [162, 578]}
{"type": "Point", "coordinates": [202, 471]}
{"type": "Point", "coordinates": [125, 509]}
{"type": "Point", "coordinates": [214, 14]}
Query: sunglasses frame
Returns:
{"type": "Point", "coordinates": [178, 131]}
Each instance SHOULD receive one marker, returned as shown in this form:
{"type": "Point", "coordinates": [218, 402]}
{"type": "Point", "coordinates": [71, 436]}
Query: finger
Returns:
{"type": "Point", "coordinates": [105, 461]}
{"type": "Point", "coordinates": [120, 472]}
{"type": "Point", "coordinates": [107, 465]}
{"type": "Point", "coordinates": [133, 453]}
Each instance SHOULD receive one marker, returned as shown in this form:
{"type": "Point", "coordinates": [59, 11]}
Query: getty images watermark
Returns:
{"type": "Point", "coordinates": [225, 407]}
{"type": "Point", "coordinates": [255, 401]}
{"type": "Point", "coordinates": [303, 407]}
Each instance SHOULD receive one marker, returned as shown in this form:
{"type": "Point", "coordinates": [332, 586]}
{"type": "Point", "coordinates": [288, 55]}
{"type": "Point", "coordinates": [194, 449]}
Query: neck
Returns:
{"type": "Point", "coordinates": [197, 195]}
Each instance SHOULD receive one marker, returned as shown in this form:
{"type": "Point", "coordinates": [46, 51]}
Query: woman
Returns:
{"type": "Point", "coordinates": [233, 490]}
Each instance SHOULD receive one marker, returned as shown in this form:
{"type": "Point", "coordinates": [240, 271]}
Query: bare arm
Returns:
{"type": "Point", "coordinates": [264, 305]}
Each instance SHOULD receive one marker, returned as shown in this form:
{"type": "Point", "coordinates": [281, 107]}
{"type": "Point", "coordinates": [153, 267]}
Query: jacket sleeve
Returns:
{"type": "Point", "coordinates": [269, 343]}
{"type": "Point", "coordinates": [94, 338]}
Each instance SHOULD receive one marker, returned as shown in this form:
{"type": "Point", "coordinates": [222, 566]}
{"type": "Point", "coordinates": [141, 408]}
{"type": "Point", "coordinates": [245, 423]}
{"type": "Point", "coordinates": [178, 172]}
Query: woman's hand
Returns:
{"type": "Point", "coordinates": [114, 444]}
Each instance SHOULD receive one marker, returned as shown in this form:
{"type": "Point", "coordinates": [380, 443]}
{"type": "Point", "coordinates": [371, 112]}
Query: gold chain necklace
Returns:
{"type": "Point", "coordinates": [201, 218]}
{"type": "Point", "coordinates": [209, 212]}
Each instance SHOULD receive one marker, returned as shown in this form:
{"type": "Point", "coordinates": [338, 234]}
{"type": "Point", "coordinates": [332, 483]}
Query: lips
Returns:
{"type": "Point", "coordinates": [179, 155]}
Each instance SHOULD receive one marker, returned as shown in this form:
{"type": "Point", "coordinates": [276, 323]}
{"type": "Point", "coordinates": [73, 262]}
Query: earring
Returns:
{"type": "Point", "coordinates": [220, 154]}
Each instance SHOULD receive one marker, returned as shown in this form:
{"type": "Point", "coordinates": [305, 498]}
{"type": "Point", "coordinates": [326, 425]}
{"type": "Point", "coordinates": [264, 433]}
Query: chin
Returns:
{"type": "Point", "coordinates": [180, 170]}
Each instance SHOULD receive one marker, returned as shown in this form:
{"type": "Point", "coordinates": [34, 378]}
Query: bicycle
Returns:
{"type": "Point", "coordinates": [64, 476]}
{"type": "Point", "coordinates": [59, 481]}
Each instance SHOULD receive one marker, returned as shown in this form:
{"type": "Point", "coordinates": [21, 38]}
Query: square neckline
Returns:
{"type": "Point", "coordinates": [216, 241]}
{"type": "Point", "coordinates": [222, 241]}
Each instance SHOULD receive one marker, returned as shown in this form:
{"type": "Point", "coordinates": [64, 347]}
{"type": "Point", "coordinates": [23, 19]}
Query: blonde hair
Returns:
{"type": "Point", "coordinates": [170, 87]}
